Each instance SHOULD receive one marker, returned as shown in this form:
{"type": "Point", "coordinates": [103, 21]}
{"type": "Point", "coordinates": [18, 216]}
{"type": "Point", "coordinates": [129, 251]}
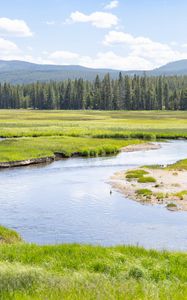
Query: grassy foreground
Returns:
{"type": "Point", "coordinates": [86, 133]}
{"type": "Point", "coordinates": [87, 272]}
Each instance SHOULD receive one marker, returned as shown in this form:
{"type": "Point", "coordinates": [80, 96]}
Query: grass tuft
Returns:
{"type": "Point", "coordinates": [146, 179]}
{"type": "Point", "coordinates": [9, 236]}
{"type": "Point", "coordinates": [144, 192]}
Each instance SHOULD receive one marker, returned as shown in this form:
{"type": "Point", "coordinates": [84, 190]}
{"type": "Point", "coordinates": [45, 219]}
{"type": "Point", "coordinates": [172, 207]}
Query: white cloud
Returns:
{"type": "Point", "coordinates": [64, 56]}
{"type": "Point", "coordinates": [113, 61]}
{"type": "Point", "coordinates": [10, 51]}
{"type": "Point", "coordinates": [112, 4]}
{"type": "Point", "coordinates": [101, 60]}
{"type": "Point", "coordinates": [97, 19]}
{"type": "Point", "coordinates": [14, 27]}
{"type": "Point", "coordinates": [156, 53]}
{"type": "Point", "coordinates": [117, 37]}
{"type": "Point", "coordinates": [7, 47]}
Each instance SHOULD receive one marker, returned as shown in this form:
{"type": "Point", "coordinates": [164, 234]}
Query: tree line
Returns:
{"type": "Point", "coordinates": [124, 93]}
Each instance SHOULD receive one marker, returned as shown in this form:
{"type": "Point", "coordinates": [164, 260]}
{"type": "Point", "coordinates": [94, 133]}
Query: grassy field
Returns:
{"type": "Point", "coordinates": [28, 123]}
{"type": "Point", "coordinates": [88, 133]}
{"type": "Point", "coordinates": [87, 272]}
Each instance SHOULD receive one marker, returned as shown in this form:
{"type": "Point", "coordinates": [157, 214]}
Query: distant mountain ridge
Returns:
{"type": "Point", "coordinates": [26, 72]}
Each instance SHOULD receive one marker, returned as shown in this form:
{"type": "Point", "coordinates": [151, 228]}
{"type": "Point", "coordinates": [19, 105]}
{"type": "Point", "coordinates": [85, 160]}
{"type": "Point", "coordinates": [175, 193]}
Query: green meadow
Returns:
{"type": "Point", "coordinates": [35, 134]}
{"type": "Point", "coordinates": [28, 271]}
{"type": "Point", "coordinates": [29, 123]}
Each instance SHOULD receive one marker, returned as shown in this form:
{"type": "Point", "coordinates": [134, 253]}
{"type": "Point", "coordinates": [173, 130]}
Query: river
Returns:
{"type": "Point", "coordinates": [69, 201]}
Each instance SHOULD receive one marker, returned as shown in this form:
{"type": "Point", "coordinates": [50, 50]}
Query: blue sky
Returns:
{"type": "Point", "coordinates": [122, 34]}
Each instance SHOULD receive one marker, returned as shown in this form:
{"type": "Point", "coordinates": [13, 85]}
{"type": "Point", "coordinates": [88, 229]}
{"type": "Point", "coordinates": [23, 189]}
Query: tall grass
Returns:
{"type": "Point", "coordinates": [86, 272]}
{"type": "Point", "coordinates": [9, 236]}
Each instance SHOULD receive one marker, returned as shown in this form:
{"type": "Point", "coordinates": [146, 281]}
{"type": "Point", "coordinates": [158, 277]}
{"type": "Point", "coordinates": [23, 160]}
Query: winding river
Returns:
{"type": "Point", "coordinates": [69, 201]}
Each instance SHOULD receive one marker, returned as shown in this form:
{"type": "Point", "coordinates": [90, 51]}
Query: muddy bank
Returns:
{"type": "Point", "coordinates": [34, 161]}
{"type": "Point", "coordinates": [27, 162]}
{"type": "Point", "coordinates": [141, 147]}
{"type": "Point", "coordinates": [168, 188]}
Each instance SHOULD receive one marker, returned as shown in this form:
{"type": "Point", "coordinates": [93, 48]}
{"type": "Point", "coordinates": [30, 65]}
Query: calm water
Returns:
{"type": "Point", "coordinates": [69, 201]}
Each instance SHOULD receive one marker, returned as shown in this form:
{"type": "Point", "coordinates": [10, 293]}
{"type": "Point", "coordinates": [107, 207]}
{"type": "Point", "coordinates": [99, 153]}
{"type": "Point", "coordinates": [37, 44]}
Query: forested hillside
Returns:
{"type": "Point", "coordinates": [126, 92]}
{"type": "Point", "coordinates": [19, 72]}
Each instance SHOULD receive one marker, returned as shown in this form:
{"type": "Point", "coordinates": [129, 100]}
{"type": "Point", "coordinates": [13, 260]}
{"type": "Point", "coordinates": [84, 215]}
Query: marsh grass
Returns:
{"type": "Point", "coordinates": [146, 125]}
{"type": "Point", "coordinates": [171, 205]}
{"type": "Point", "coordinates": [181, 194]}
{"type": "Point", "coordinates": [146, 179]}
{"type": "Point", "coordinates": [140, 175]}
{"type": "Point", "coordinates": [144, 192]}
{"type": "Point", "coordinates": [178, 166]}
{"type": "Point", "coordinates": [160, 196]}
{"type": "Point", "coordinates": [135, 174]}
{"type": "Point", "coordinates": [29, 148]}
{"type": "Point", "coordinates": [88, 133]}
{"type": "Point", "coordinates": [87, 272]}
{"type": "Point", "coordinates": [9, 236]}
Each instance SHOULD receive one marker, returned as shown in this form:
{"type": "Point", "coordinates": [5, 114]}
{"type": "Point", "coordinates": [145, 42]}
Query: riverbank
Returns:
{"type": "Point", "coordinates": [155, 185]}
{"type": "Point", "coordinates": [24, 151]}
{"type": "Point", "coordinates": [141, 147]}
{"type": "Point", "coordinates": [29, 271]}
{"type": "Point", "coordinates": [131, 146]}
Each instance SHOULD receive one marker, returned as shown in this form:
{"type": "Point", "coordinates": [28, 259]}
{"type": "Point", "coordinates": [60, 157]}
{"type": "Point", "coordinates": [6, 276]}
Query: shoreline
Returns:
{"type": "Point", "coordinates": [158, 187]}
{"type": "Point", "coordinates": [58, 156]}
{"type": "Point", "coordinates": [141, 147]}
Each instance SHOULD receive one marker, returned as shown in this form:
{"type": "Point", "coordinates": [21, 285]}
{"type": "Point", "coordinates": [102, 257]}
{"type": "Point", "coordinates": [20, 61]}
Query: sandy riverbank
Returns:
{"type": "Point", "coordinates": [141, 147]}
{"type": "Point", "coordinates": [169, 188]}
